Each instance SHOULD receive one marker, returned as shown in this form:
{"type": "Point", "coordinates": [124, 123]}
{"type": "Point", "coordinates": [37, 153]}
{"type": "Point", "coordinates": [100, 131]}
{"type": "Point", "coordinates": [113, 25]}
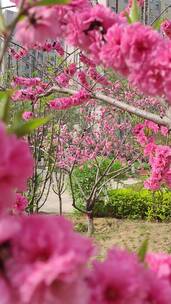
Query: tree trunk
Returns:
{"type": "Point", "coordinates": [90, 224]}
{"type": "Point", "coordinates": [60, 204]}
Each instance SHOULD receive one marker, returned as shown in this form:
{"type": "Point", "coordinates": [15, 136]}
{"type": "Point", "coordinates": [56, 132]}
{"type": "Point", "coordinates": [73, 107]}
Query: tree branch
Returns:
{"type": "Point", "coordinates": [164, 121]}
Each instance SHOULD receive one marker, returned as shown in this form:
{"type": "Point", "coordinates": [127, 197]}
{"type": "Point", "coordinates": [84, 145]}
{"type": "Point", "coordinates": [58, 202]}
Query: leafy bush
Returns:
{"type": "Point", "coordinates": [131, 204]}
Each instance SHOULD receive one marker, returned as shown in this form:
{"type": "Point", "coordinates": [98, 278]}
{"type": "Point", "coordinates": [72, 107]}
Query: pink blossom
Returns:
{"type": "Point", "coordinates": [63, 80]}
{"type": "Point", "coordinates": [27, 115]}
{"type": "Point", "coordinates": [111, 52]}
{"type": "Point", "coordinates": [86, 60]}
{"type": "Point", "coordinates": [47, 267]}
{"type": "Point", "coordinates": [37, 26]}
{"type": "Point", "coordinates": [20, 204]}
{"type": "Point", "coordinates": [83, 79]}
{"type": "Point", "coordinates": [16, 167]}
{"type": "Point", "coordinates": [160, 263]}
{"type": "Point", "coordinates": [166, 28]}
{"type": "Point", "coordinates": [67, 102]}
{"type": "Point", "coordinates": [88, 28]}
{"type": "Point", "coordinates": [23, 81]}
{"type": "Point", "coordinates": [121, 279]}
{"type": "Point", "coordinates": [164, 130]}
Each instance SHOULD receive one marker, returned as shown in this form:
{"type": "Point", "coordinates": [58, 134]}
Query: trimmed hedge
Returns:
{"type": "Point", "coordinates": [131, 204]}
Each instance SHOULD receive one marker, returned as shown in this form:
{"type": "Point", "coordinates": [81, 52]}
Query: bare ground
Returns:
{"type": "Point", "coordinates": [127, 234]}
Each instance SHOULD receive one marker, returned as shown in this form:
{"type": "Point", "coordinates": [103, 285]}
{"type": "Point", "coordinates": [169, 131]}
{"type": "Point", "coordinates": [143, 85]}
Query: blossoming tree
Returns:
{"type": "Point", "coordinates": [36, 264]}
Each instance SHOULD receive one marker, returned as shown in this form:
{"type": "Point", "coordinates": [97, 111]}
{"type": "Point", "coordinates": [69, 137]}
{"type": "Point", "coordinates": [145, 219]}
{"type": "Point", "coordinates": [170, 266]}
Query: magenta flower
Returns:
{"type": "Point", "coordinates": [20, 204]}
{"type": "Point", "coordinates": [37, 26]}
{"type": "Point", "coordinates": [16, 166]}
{"type": "Point", "coordinates": [47, 266]}
{"type": "Point", "coordinates": [27, 115]}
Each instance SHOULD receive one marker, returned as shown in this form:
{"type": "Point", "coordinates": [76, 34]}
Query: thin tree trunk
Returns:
{"type": "Point", "coordinates": [60, 204]}
{"type": "Point", "coordinates": [90, 224]}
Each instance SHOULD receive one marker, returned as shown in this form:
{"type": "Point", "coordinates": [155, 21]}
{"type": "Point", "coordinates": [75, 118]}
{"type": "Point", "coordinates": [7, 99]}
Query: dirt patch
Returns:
{"type": "Point", "coordinates": [111, 232]}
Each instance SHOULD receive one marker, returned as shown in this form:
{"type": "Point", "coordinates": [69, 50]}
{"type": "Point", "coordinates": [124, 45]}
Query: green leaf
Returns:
{"type": "Point", "coordinates": [51, 2]}
{"type": "Point", "coordinates": [157, 24]}
{"type": "Point", "coordinates": [4, 105]}
{"type": "Point", "coordinates": [25, 128]}
{"type": "Point", "coordinates": [143, 250]}
{"type": "Point", "coordinates": [134, 12]}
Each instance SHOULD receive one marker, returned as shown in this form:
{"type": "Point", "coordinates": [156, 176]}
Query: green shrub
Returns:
{"type": "Point", "coordinates": [131, 204]}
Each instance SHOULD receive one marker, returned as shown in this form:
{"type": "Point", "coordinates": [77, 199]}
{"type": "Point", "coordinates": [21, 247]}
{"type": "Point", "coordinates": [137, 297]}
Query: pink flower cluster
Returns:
{"type": "Point", "coordinates": [28, 94]}
{"type": "Point", "coordinates": [33, 87]}
{"type": "Point", "coordinates": [160, 263]}
{"type": "Point", "coordinates": [159, 155]}
{"type": "Point", "coordinates": [122, 279]}
{"type": "Point", "coordinates": [20, 204]}
{"type": "Point", "coordinates": [48, 268]}
{"type": "Point", "coordinates": [42, 267]}
{"type": "Point", "coordinates": [166, 28]}
{"type": "Point", "coordinates": [134, 50]}
{"type": "Point", "coordinates": [50, 46]}
{"type": "Point", "coordinates": [77, 146]}
{"type": "Point", "coordinates": [27, 115]}
{"type": "Point", "coordinates": [81, 75]}
{"type": "Point", "coordinates": [27, 82]}
{"type": "Point", "coordinates": [160, 161]}
{"type": "Point", "coordinates": [17, 55]}
{"type": "Point", "coordinates": [97, 77]}
{"type": "Point", "coordinates": [84, 59]}
{"type": "Point", "coordinates": [16, 166]}
{"type": "Point", "coordinates": [47, 22]}
{"type": "Point", "coordinates": [66, 102]}
{"type": "Point", "coordinates": [63, 78]}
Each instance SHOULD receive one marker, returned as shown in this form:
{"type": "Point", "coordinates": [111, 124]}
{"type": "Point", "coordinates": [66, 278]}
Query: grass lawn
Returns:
{"type": "Point", "coordinates": [127, 234]}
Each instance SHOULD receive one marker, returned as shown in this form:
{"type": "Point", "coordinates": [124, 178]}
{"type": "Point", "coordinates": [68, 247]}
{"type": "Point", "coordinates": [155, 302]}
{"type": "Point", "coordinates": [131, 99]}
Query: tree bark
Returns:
{"type": "Point", "coordinates": [60, 204]}
{"type": "Point", "coordinates": [90, 224]}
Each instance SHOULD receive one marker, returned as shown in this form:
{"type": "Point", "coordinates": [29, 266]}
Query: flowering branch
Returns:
{"type": "Point", "coordinates": [164, 121]}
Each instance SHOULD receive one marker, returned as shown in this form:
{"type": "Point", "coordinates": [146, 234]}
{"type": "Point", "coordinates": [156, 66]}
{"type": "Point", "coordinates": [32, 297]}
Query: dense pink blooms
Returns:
{"type": "Point", "coordinates": [79, 98]}
{"type": "Point", "coordinates": [160, 263]}
{"type": "Point", "coordinates": [27, 115]}
{"type": "Point", "coordinates": [16, 165]}
{"type": "Point", "coordinates": [20, 204]}
{"type": "Point", "coordinates": [49, 46]}
{"type": "Point", "coordinates": [111, 52]}
{"type": "Point", "coordinates": [121, 279]}
{"type": "Point", "coordinates": [84, 59]}
{"type": "Point", "coordinates": [166, 28]}
{"type": "Point", "coordinates": [63, 78]}
{"type": "Point", "coordinates": [17, 55]}
{"type": "Point", "coordinates": [160, 163]}
{"type": "Point", "coordinates": [37, 26]}
{"type": "Point", "coordinates": [45, 267]}
{"type": "Point", "coordinates": [159, 155]}
{"type": "Point", "coordinates": [27, 82]}
{"type": "Point", "coordinates": [88, 28]}
{"type": "Point", "coordinates": [97, 77]}
{"type": "Point", "coordinates": [81, 75]}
